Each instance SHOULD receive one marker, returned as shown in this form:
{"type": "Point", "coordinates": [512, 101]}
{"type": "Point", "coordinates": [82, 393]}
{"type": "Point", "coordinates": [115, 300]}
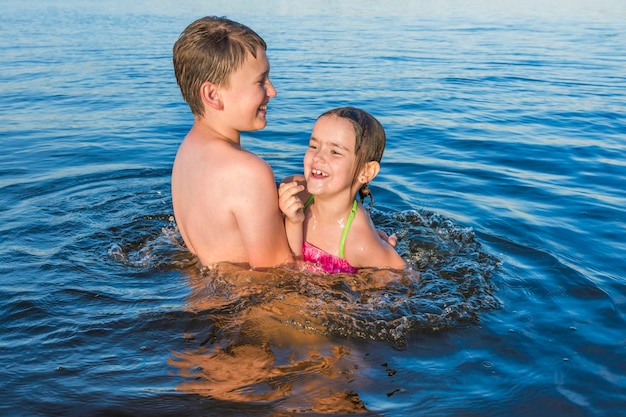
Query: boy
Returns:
{"type": "Point", "coordinates": [225, 198]}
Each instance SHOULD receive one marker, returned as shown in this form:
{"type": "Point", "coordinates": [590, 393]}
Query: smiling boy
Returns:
{"type": "Point", "coordinates": [224, 197]}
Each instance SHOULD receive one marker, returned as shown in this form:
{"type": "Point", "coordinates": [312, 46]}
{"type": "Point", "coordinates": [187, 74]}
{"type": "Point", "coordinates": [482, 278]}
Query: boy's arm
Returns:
{"type": "Point", "coordinates": [258, 216]}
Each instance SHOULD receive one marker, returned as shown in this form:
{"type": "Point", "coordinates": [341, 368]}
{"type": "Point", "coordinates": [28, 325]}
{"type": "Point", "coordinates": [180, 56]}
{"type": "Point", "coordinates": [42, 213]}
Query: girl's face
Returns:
{"type": "Point", "coordinates": [330, 159]}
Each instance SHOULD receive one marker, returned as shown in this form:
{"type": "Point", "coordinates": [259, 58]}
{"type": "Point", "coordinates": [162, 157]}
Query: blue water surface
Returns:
{"type": "Point", "coordinates": [503, 178]}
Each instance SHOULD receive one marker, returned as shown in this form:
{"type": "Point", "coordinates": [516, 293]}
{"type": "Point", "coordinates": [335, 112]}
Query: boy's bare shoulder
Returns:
{"type": "Point", "coordinates": [237, 174]}
{"type": "Point", "coordinates": [250, 165]}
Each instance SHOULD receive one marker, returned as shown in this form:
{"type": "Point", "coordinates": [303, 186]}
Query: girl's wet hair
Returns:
{"type": "Point", "coordinates": [370, 140]}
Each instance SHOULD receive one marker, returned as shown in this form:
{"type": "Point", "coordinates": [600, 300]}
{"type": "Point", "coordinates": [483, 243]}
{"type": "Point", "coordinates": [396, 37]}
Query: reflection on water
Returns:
{"type": "Point", "coordinates": [279, 335]}
{"type": "Point", "coordinates": [303, 371]}
{"type": "Point", "coordinates": [249, 350]}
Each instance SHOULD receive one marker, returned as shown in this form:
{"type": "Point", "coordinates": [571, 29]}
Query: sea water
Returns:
{"type": "Point", "coordinates": [503, 179]}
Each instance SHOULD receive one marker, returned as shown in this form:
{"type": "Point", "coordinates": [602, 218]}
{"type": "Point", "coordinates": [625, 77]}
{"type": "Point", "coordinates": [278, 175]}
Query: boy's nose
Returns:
{"type": "Point", "coordinates": [271, 90]}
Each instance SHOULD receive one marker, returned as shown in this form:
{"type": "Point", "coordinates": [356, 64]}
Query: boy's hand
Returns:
{"type": "Point", "coordinates": [289, 202]}
{"type": "Point", "coordinates": [391, 239]}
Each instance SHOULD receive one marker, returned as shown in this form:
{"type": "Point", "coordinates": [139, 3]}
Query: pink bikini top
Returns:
{"type": "Point", "coordinates": [322, 261]}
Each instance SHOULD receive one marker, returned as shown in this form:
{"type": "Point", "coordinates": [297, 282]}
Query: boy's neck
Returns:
{"type": "Point", "coordinates": [211, 131]}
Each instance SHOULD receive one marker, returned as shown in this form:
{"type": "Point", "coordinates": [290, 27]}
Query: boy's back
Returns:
{"type": "Point", "coordinates": [226, 203]}
{"type": "Point", "coordinates": [225, 198]}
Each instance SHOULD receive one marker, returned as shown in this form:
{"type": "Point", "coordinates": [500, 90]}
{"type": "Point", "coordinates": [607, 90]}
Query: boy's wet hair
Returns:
{"type": "Point", "coordinates": [370, 140]}
{"type": "Point", "coordinates": [211, 49]}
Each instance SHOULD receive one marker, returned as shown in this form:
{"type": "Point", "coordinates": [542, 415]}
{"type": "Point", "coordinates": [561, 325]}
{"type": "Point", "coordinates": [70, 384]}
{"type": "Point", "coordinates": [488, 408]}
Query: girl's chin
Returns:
{"type": "Point", "coordinates": [320, 191]}
{"type": "Point", "coordinates": [312, 189]}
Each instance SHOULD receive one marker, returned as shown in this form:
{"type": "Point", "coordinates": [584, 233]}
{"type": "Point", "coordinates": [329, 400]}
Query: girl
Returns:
{"type": "Point", "coordinates": [325, 224]}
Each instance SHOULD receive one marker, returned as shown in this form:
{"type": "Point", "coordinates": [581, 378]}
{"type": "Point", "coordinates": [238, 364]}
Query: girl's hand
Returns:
{"type": "Point", "coordinates": [289, 202]}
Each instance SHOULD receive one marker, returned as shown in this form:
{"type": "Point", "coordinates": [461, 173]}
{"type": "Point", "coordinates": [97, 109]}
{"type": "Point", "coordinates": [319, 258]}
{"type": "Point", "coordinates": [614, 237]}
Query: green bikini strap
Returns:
{"type": "Point", "coordinates": [308, 202]}
{"type": "Point", "coordinates": [346, 229]}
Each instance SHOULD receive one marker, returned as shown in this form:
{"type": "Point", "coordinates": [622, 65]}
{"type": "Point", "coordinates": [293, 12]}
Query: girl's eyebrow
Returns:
{"type": "Point", "coordinates": [340, 146]}
{"type": "Point", "coordinates": [333, 144]}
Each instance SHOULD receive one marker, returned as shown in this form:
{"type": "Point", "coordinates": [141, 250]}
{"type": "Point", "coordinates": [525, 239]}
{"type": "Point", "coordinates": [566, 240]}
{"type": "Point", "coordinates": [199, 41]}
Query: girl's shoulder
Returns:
{"type": "Point", "coordinates": [363, 233]}
{"type": "Point", "coordinates": [366, 248]}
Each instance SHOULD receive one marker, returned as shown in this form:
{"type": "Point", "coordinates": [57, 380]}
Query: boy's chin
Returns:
{"type": "Point", "coordinates": [261, 123]}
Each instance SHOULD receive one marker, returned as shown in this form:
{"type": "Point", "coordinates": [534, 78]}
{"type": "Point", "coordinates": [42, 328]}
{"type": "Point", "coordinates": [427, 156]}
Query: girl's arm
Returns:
{"type": "Point", "coordinates": [291, 205]}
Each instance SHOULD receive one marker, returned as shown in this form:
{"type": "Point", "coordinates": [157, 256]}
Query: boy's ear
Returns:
{"type": "Point", "coordinates": [369, 172]}
{"type": "Point", "coordinates": [210, 94]}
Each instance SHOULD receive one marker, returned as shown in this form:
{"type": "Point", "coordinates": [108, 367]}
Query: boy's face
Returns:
{"type": "Point", "coordinates": [250, 89]}
{"type": "Point", "coordinates": [330, 159]}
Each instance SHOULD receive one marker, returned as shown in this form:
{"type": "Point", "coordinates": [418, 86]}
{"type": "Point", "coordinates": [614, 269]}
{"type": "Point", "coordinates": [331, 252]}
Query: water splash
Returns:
{"type": "Point", "coordinates": [163, 249]}
{"type": "Point", "coordinates": [448, 282]}
{"type": "Point", "coordinates": [280, 335]}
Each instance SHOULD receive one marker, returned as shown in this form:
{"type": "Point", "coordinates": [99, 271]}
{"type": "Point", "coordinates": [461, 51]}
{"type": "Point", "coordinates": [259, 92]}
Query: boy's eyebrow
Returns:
{"type": "Point", "coordinates": [263, 75]}
{"type": "Point", "coordinates": [266, 69]}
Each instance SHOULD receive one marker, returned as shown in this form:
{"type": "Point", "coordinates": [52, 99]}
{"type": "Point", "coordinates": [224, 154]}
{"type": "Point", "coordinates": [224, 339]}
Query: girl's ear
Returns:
{"type": "Point", "coordinates": [369, 172]}
{"type": "Point", "coordinates": [210, 94]}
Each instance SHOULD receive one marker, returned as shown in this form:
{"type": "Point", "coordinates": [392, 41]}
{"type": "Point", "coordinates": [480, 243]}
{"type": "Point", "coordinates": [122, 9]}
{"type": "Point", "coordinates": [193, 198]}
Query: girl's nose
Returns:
{"type": "Point", "coordinates": [318, 155]}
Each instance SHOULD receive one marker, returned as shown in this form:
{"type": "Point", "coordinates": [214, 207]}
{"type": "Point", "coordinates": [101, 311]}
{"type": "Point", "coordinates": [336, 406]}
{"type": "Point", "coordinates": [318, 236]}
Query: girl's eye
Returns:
{"type": "Point", "coordinates": [334, 152]}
